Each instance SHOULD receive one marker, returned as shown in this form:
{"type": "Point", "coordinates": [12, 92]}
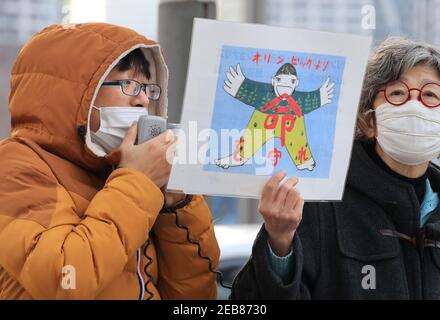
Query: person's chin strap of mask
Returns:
{"type": "Point", "coordinates": [410, 133]}
{"type": "Point", "coordinates": [114, 124]}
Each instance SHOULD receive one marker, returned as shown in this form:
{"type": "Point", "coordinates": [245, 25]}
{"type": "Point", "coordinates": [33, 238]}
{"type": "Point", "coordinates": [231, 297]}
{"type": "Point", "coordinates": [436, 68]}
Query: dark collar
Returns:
{"type": "Point", "coordinates": [419, 184]}
{"type": "Point", "coordinates": [395, 196]}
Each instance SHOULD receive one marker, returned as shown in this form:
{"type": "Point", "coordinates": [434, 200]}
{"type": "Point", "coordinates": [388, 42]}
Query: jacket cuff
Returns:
{"type": "Point", "coordinates": [282, 266]}
{"type": "Point", "coordinates": [179, 205]}
{"type": "Point", "coordinates": [195, 215]}
{"type": "Point", "coordinates": [272, 285]}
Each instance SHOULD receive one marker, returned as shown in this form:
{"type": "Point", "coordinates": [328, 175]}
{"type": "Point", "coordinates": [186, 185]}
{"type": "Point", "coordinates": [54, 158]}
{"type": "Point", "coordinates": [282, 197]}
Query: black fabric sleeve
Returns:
{"type": "Point", "coordinates": [257, 280]}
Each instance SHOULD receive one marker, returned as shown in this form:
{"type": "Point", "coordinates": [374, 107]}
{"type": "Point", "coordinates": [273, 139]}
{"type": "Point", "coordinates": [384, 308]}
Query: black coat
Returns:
{"type": "Point", "coordinates": [336, 240]}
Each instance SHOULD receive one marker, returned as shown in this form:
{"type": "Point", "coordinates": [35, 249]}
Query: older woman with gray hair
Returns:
{"type": "Point", "coordinates": [382, 241]}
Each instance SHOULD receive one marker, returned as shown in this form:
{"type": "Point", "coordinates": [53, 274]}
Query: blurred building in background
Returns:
{"type": "Point", "coordinates": [330, 15]}
{"type": "Point", "coordinates": [418, 19]}
{"type": "Point", "coordinates": [170, 21]}
{"type": "Point", "coordinates": [19, 20]}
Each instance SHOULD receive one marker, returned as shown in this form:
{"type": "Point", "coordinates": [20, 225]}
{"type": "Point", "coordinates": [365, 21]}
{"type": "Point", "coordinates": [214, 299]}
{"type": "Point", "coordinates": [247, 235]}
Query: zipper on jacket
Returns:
{"type": "Point", "coordinates": [421, 249]}
{"type": "Point", "coordinates": [139, 274]}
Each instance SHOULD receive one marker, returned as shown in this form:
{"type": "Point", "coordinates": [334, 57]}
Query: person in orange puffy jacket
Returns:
{"type": "Point", "coordinates": [84, 211]}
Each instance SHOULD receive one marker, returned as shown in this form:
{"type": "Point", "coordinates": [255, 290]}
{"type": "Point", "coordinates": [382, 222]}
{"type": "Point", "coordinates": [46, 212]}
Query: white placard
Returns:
{"type": "Point", "coordinates": [259, 99]}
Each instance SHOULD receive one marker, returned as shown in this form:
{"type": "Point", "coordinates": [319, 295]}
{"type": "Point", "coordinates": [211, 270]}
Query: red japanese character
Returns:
{"type": "Point", "coordinates": [294, 60]}
{"type": "Point", "coordinates": [256, 57]}
{"type": "Point", "coordinates": [280, 60]}
{"type": "Point", "coordinates": [287, 124]}
{"type": "Point", "coordinates": [309, 63]}
{"type": "Point", "coordinates": [267, 58]}
{"type": "Point", "coordinates": [324, 67]}
{"type": "Point", "coordinates": [302, 155]}
{"type": "Point", "coordinates": [275, 155]}
{"type": "Point", "coordinates": [317, 65]}
{"type": "Point", "coordinates": [271, 121]}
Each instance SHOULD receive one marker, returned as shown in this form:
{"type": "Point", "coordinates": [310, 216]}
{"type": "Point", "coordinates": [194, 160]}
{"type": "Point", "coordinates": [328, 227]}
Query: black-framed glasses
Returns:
{"type": "Point", "coordinates": [133, 88]}
{"type": "Point", "coordinates": [398, 92]}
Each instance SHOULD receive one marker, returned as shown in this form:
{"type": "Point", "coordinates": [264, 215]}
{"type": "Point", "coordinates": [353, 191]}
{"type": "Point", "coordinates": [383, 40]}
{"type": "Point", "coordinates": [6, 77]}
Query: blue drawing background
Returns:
{"type": "Point", "coordinates": [229, 113]}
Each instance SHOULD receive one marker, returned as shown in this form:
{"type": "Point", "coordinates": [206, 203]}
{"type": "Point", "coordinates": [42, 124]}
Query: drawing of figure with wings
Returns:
{"type": "Point", "coordinates": [279, 113]}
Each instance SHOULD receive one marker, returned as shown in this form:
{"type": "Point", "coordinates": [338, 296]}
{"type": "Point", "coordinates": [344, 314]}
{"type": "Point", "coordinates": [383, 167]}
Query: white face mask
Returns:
{"type": "Point", "coordinates": [410, 133]}
{"type": "Point", "coordinates": [114, 124]}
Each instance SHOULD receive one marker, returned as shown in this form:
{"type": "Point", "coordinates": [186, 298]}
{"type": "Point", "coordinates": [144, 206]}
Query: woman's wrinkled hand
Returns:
{"type": "Point", "coordinates": [281, 207]}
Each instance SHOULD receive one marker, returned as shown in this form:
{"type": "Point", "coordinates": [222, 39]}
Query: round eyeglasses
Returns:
{"type": "Point", "coordinates": [398, 92]}
{"type": "Point", "coordinates": [133, 88]}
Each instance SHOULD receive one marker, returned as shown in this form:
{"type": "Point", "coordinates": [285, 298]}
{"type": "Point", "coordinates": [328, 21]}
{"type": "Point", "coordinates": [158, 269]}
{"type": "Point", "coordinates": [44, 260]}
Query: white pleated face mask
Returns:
{"type": "Point", "coordinates": [114, 124]}
{"type": "Point", "coordinates": [410, 133]}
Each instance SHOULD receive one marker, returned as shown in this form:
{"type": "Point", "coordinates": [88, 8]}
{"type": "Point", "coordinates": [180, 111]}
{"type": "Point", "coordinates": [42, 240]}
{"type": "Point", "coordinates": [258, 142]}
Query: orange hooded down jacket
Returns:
{"type": "Point", "coordinates": [70, 228]}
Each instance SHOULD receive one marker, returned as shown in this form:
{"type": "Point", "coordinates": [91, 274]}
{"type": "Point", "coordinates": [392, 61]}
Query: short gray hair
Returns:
{"type": "Point", "coordinates": [387, 63]}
